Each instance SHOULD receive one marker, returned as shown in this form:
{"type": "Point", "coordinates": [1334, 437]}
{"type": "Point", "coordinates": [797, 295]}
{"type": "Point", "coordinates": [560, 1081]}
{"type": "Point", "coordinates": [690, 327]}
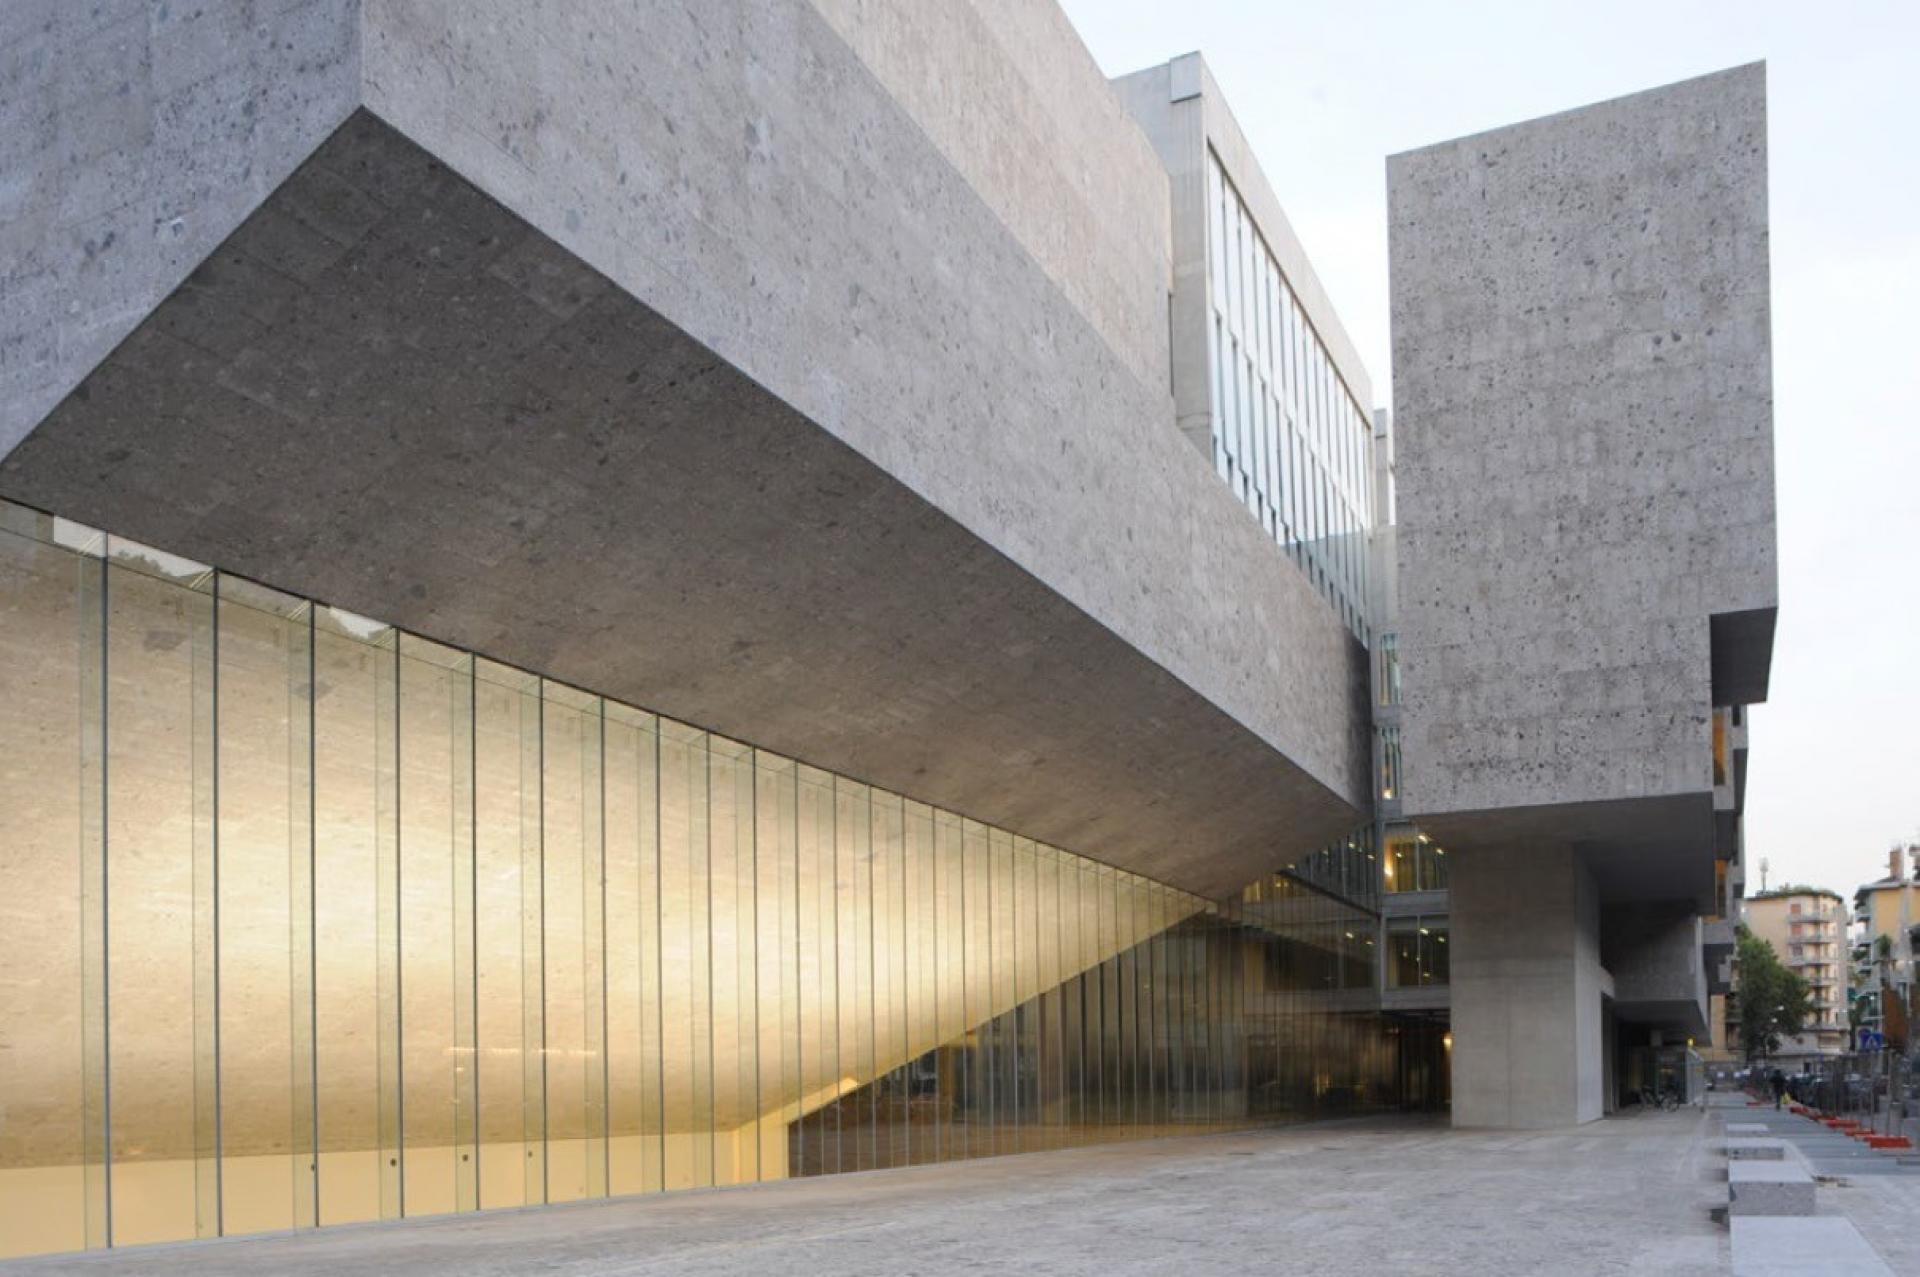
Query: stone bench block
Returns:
{"type": "Point", "coordinates": [1756, 1150]}
{"type": "Point", "coordinates": [1746, 1128]}
{"type": "Point", "coordinates": [1768, 1188]}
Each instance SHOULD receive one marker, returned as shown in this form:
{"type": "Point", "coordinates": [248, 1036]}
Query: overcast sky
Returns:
{"type": "Point", "coordinates": [1326, 91]}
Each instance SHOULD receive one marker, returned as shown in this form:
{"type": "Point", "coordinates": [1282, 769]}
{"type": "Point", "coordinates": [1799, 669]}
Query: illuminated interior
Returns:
{"type": "Point", "coordinates": [316, 921]}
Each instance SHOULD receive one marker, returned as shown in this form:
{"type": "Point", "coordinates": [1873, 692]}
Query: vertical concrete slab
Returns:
{"type": "Point", "coordinates": [1582, 370]}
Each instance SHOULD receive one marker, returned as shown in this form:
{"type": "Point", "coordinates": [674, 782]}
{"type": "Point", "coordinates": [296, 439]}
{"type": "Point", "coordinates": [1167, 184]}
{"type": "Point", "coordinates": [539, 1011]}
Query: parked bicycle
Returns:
{"type": "Point", "coordinates": [1663, 1098]}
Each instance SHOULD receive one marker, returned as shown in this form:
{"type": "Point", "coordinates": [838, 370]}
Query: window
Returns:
{"type": "Point", "coordinates": [1414, 862]}
{"type": "Point", "coordinates": [1287, 435]}
{"type": "Point", "coordinates": [1389, 669]}
{"type": "Point", "coordinates": [1389, 762]}
{"type": "Point", "coordinates": [1417, 952]}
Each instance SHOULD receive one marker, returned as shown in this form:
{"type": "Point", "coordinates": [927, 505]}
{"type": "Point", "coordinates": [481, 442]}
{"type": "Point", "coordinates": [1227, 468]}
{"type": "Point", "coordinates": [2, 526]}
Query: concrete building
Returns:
{"type": "Point", "coordinates": [1807, 927]}
{"type": "Point", "coordinates": [1583, 422]}
{"type": "Point", "coordinates": [593, 605]}
{"type": "Point", "coordinates": [1885, 939]}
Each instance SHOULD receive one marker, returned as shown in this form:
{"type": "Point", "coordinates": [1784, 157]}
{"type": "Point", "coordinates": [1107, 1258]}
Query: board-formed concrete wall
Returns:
{"type": "Point", "coordinates": [1583, 411]}
{"type": "Point", "coordinates": [1016, 103]}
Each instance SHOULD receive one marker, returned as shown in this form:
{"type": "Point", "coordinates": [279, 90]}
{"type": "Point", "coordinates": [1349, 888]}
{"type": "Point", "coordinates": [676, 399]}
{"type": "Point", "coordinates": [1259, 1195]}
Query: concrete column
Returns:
{"type": "Point", "coordinates": [1527, 986]}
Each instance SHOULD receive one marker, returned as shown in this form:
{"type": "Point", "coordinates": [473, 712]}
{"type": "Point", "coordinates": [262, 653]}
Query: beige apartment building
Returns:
{"type": "Point", "coordinates": [1886, 914]}
{"type": "Point", "coordinates": [1807, 927]}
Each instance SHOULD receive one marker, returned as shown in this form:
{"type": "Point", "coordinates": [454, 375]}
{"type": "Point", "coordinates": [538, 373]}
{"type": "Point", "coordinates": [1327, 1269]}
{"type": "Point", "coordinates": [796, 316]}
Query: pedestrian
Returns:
{"type": "Point", "coordinates": [1778, 1081]}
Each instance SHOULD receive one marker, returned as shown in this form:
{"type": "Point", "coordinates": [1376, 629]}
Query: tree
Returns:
{"type": "Point", "coordinates": [1774, 1002]}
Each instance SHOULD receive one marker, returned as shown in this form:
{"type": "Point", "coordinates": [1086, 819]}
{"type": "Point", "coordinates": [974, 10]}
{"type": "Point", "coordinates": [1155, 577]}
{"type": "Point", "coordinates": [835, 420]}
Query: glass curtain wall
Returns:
{"type": "Point", "coordinates": [1288, 436]}
{"type": "Point", "coordinates": [332, 923]}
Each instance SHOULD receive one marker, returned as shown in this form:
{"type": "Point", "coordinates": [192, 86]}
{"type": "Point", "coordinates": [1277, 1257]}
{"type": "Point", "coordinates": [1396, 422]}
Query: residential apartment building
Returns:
{"type": "Point", "coordinates": [602, 606]}
{"type": "Point", "coordinates": [1886, 938]}
{"type": "Point", "coordinates": [1807, 927]}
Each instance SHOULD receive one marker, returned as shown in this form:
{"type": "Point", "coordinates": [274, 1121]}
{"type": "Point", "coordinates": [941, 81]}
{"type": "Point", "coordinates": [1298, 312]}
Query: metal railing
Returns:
{"type": "Point", "coordinates": [1878, 1089]}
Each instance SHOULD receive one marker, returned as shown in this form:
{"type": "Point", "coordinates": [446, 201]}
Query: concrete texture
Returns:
{"type": "Point", "coordinates": [133, 138]}
{"type": "Point", "coordinates": [1013, 99]}
{"type": "Point", "coordinates": [1621, 1196]}
{"type": "Point", "coordinates": [1526, 990]}
{"type": "Point", "coordinates": [388, 392]}
{"type": "Point", "coordinates": [1582, 372]}
{"type": "Point", "coordinates": [742, 175]}
{"type": "Point", "coordinates": [1655, 956]}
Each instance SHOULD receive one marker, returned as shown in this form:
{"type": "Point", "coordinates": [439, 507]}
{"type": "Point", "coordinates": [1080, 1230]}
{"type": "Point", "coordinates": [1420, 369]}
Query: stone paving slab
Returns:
{"type": "Point", "coordinates": [1618, 1196]}
{"type": "Point", "coordinates": [1785, 1246]}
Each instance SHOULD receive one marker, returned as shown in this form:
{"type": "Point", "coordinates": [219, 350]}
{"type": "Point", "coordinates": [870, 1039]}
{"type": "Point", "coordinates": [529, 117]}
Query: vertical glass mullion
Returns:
{"type": "Point", "coordinates": [302, 952]}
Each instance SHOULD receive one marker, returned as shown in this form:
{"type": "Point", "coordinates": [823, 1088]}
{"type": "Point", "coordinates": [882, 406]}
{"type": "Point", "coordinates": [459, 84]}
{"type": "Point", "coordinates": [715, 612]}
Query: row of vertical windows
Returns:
{"type": "Point", "coordinates": [1288, 436]}
{"type": "Point", "coordinates": [328, 922]}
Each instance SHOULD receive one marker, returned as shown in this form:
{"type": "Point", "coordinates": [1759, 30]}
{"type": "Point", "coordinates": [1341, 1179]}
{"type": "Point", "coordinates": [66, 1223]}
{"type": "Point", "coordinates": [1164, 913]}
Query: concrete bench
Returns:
{"type": "Point", "coordinates": [1747, 1128]}
{"type": "Point", "coordinates": [1756, 1150]}
{"type": "Point", "coordinates": [1768, 1188]}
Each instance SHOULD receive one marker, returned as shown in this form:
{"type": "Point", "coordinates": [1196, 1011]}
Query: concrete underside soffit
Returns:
{"type": "Point", "coordinates": [1742, 645]}
{"type": "Point", "coordinates": [1638, 849]}
{"type": "Point", "coordinates": [387, 391]}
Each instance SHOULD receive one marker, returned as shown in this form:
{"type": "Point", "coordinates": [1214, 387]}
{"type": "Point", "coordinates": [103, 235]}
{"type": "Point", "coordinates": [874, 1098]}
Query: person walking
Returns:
{"type": "Point", "coordinates": [1778, 1081]}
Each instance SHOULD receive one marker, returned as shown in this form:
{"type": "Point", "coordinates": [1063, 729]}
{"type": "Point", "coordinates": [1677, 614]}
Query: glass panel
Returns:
{"type": "Point", "coordinates": [923, 984]}
{"type": "Point", "coordinates": [262, 680]}
{"type": "Point", "coordinates": [352, 781]}
{"type": "Point", "coordinates": [52, 1177]}
{"type": "Point", "coordinates": [632, 943]}
{"type": "Point", "coordinates": [951, 993]}
{"type": "Point", "coordinates": [160, 989]}
{"type": "Point", "coordinates": [506, 758]}
{"type": "Point", "coordinates": [817, 1032]}
{"type": "Point", "coordinates": [852, 947]}
{"type": "Point", "coordinates": [778, 903]}
{"type": "Point", "coordinates": [435, 756]}
{"type": "Point", "coordinates": [736, 1100]}
{"type": "Point", "coordinates": [686, 959]}
{"type": "Point", "coordinates": [570, 949]}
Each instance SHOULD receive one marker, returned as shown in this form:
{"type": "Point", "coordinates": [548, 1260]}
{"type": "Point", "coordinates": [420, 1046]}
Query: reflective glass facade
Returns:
{"type": "Point", "coordinates": [1288, 435]}
{"type": "Point", "coordinates": [329, 922]}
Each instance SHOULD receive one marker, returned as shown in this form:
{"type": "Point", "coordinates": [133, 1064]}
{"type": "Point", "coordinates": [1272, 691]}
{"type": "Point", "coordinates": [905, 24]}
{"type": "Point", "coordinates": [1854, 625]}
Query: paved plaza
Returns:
{"type": "Point", "coordinates": [1626, 1195]}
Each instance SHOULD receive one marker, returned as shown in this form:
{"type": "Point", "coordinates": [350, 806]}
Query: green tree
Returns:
{"type": "Point", "coordinates": [1774, 1002]}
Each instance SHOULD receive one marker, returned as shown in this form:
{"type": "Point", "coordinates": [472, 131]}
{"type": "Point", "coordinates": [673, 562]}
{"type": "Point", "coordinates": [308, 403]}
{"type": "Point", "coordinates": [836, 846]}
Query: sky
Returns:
{"type": "Point", "coordinates": [1324, 92]}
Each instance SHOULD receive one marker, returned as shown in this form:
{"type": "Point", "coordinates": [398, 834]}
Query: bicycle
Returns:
{"type": "Point", "coordinates": [1666, 1101]}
